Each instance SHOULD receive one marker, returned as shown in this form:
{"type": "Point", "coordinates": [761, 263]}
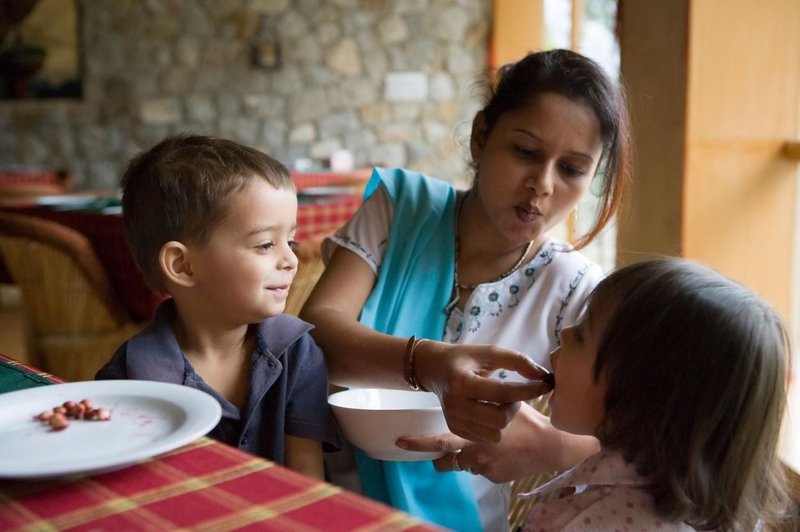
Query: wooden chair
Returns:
{"type": "Point", "coordinates": [75, 319]}
{"type": "Point", "coordinates": [308, 273]}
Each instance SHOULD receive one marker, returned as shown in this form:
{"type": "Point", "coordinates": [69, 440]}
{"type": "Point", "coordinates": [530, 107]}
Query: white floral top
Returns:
{"type": "Point", "coordinates": [524, 312]}
{"type": "Point", "coordinates": [608, 495]}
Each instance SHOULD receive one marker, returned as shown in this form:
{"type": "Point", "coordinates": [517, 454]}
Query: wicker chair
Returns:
{"type": "Point", "coordinates": [518, 509]}
{"type": "Point", "coordinates": [75, 319]}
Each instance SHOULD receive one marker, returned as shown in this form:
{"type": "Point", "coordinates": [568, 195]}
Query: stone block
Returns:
{"type": "Point", "coordinates": [160, 111]}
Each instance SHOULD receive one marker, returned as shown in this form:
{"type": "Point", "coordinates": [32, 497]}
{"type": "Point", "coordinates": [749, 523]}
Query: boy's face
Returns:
{"type": "Point", "coordinates": [243, 272]}
{"type": "Point", "coordinates": [577, 400]}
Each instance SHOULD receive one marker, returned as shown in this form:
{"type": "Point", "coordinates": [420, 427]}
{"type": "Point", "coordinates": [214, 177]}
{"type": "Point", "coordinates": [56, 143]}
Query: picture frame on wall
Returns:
{"type": "Point", "coordinates": [40, 49]}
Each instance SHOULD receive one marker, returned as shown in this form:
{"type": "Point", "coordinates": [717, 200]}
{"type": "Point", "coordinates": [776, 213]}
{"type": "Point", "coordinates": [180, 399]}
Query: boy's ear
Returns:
{"type": "Point", "coordinates": [478, 136]}
{"type": "Point", "coordinates": [173, 259]}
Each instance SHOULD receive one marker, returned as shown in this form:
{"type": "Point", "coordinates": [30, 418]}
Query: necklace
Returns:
{"type": "Point", "coordinates": [457, 286]}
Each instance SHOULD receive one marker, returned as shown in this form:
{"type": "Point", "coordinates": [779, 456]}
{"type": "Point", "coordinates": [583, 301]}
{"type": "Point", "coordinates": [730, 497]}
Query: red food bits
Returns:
{"type": "Point", "coordinates": [58, 417]}
{"type": "Point", "coordinates": [59, 422]}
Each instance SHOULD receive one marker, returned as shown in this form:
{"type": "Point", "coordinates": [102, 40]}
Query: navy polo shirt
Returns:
{"type": "Point", "coordinates": [288, 382]}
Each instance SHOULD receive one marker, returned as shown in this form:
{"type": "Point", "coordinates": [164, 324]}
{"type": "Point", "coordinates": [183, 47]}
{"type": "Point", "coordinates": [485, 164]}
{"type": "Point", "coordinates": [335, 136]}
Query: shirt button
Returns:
{"type": "Point", "coordinates": [244, 440]}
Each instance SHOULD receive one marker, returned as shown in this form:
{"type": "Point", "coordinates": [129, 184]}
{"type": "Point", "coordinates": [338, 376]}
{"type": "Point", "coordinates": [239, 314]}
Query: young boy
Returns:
{"type": "Point", "coordinates": [212, 222]}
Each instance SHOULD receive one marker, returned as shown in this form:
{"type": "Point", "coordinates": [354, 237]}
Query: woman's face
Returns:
{"type": "Point", "coordinates": [535, 164]}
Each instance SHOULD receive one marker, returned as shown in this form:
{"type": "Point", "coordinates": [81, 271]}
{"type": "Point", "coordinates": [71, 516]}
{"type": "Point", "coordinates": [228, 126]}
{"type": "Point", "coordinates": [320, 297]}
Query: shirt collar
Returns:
{"type": "Point", "coordinates": [605, 468]}
{"type": "Point", "coordinates": [159, 357]}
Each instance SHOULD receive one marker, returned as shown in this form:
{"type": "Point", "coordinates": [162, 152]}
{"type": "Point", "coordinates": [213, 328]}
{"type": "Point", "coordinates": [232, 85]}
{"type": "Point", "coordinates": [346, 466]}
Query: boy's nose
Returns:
{"type": "Point", "coordinates": [289, 260]}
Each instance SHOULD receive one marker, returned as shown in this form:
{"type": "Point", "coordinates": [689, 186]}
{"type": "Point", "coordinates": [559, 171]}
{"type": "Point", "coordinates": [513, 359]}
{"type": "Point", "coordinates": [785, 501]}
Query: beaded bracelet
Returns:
{"type": "Point", "coordinates": [410, 373]}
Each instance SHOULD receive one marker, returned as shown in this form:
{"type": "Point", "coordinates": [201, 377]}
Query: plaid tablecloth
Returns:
{"type": "Point", "coordinates": [358, 178]}
{"type": "Point", "coordinates": [326, 215]}
{"type": "Point", "coordinates": [205, 485]}
{"type": "Point", "coordinates": [17, 376]}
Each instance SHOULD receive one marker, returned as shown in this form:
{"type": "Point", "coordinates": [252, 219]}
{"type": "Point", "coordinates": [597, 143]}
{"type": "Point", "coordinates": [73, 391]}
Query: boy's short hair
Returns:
{"type": "Point", "coordinates": [178, 190]}
{"type": "Point", "coordinates": [695, 365]}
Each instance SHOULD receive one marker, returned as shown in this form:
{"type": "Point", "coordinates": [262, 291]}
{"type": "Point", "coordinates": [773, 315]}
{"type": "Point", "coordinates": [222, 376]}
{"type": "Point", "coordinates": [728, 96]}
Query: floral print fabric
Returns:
{"type": "Point", "coordinates": [600, 494]}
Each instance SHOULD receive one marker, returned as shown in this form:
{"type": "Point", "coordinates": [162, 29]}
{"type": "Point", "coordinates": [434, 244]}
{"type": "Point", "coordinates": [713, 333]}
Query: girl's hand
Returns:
{"type": "Point", "coordinates": [476, 406]}
{"type": "Point", "coordinates": [530, 445]}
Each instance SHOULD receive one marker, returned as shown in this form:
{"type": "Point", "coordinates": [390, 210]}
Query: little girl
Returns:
{"type": "Point", "coordinates": [681, 374]}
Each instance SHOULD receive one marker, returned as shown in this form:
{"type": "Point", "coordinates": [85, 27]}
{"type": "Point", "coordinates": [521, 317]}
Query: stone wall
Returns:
{"type": "Point", "coordinates": [157, 67]}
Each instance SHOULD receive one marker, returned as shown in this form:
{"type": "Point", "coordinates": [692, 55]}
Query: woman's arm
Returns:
{"type": "Point", "coordinates": [530, 445]}
{"type": "Point", "coordinates": [356, 355]}
{"type": "Point", "coordinates": [304, 456]}
{"type": "Point", "coordinates": [476, 406]}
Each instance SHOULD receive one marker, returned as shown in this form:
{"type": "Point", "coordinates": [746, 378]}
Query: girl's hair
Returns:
{"type": "Point", "coordinates": [696, 369]}
{"type": "Point", "coordinates": [178, 190]}
{"type": "Point", "coordinates": [580, 79]}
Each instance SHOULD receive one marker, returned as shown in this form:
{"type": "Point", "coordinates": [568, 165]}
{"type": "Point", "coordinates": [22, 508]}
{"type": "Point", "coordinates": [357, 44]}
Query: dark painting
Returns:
{"type": "Point", "coordinates": [39, 49]}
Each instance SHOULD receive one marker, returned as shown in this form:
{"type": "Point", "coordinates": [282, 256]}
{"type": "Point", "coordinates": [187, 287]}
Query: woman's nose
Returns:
{"type": "Point", "coordinates": [541, 181]}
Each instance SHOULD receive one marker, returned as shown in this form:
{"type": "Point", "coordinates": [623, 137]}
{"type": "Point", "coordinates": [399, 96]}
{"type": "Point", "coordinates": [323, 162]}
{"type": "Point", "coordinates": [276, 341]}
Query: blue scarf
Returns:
{"type": "Point", "coordinates": [413, 287]}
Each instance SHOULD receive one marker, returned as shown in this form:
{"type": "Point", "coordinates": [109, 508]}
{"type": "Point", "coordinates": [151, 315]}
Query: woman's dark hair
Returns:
{"type": "Point", "coordinates": [696, 369]}
{"type": "Point", "coordinates": [178, 190]}
{"type": "Point", "coordinates": [578, 78]}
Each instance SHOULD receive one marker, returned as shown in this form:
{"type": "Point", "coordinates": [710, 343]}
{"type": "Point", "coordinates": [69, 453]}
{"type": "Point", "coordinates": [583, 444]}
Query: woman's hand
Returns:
{"type": "Point", "coordinates": [476, 406]}
{"type": "Point", "coordinates": [530, 445]}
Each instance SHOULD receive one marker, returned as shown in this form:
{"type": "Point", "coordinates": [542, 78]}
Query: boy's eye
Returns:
{"type": "Point", "coordinates": [293, 245]}
{"type": "Point", "coordinates": [266, 246]}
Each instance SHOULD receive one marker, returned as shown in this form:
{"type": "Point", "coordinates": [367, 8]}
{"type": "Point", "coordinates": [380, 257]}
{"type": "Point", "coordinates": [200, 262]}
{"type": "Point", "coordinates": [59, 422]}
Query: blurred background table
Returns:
{"type": "Point", "coordinates": [325, 202]}
{"type": "Point", "coordinates": [21, 181]}
{"type": "Point", "coordinates": [205, 485]}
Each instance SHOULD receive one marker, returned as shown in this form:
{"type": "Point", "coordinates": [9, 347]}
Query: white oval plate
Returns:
{"type": "Point", "coordinates": [147, 419]}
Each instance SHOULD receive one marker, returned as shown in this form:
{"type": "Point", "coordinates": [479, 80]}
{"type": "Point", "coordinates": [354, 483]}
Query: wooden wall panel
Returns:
{"type": "Point", "coordinates": [740, 192]}
{"type": "Point", "coordinates": [653, 43]}
{"type": "Point", "coordinates": [517, 28]}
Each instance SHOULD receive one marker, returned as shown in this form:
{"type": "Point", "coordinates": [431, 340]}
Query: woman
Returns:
{"type": "Point", "coordinates": [475, 274]}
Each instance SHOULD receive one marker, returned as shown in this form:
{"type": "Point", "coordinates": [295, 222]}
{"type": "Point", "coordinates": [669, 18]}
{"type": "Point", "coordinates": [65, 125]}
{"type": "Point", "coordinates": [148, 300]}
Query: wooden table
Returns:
{"type": "Point", "coordinates": [205, 485]}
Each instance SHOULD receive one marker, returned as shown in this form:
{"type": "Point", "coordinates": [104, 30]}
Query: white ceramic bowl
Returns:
{"type": "Point", "coordinates": [373, 419]}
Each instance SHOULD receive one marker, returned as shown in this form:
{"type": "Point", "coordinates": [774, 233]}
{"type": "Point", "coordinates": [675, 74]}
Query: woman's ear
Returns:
{"type": "Point", "coordinates": [173, 259]}
{"type": "Point", "coordinates": [478, 136]}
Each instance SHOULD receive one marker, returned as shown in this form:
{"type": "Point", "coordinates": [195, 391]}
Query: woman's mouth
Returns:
{"type": "Point", "coordinates": [526, 212]}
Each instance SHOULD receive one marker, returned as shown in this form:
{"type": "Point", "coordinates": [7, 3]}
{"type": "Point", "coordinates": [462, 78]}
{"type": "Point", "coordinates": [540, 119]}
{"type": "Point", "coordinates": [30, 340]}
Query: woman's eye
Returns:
{"type": "Point", "coordinates": [523, 151]}
{"type": "Point", "coordinates": [572, 171]}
